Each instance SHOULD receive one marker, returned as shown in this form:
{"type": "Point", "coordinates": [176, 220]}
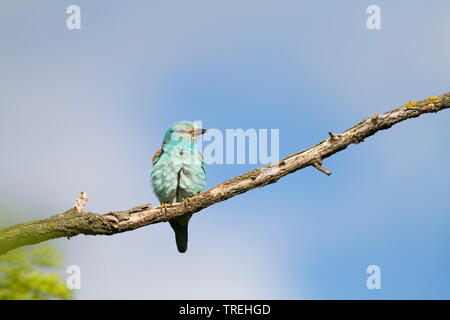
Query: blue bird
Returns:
{"type": "Point", "coordinates": [178, 173]}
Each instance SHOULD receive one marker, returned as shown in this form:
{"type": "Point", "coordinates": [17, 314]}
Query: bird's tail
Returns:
{"type": "Point", "coordinates": [181, 235]}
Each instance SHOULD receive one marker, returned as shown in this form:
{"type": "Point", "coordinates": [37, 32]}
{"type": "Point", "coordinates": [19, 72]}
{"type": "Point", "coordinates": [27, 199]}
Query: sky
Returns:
{"type": "Point", "coordinates": [85, 110]}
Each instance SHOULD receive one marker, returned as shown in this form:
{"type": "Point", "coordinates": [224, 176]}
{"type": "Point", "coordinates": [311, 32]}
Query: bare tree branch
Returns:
{"type": "Point", "coordinates": [74, 221]}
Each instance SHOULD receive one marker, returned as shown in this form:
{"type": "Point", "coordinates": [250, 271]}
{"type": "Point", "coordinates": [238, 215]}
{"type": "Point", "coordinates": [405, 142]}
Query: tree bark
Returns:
{"type": "Point", "coordinates": [74, 222]}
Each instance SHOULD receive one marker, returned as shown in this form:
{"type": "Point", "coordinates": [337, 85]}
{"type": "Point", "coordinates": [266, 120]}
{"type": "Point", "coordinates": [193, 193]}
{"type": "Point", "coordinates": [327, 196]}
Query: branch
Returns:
{"type": "Point", "coordinates": [74, 222]}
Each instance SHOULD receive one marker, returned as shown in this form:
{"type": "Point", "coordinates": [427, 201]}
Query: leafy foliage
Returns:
{"type": "Point", "coordinates": [23, 275]}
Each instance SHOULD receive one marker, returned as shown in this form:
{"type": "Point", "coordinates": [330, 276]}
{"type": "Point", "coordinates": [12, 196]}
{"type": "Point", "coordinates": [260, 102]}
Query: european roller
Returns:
{"type": "Point", "coordinates": [178, 173]}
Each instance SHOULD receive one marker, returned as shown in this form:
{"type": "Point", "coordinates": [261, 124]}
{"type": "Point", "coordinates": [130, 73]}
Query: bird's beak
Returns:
{"type": "Point", "coordinates": [199, 131]}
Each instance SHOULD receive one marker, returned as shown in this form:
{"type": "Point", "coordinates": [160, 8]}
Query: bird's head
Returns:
{"type": "Point", "coordinates": [183, 131]}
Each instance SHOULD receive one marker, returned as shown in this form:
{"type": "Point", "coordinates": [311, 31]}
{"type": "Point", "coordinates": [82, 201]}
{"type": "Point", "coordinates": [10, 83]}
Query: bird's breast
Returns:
{"type": "Point", "coordinates": [178, 174]}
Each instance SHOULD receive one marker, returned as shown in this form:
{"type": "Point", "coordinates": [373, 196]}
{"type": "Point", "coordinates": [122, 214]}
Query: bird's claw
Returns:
{"type": "Point", "coordinates": [186, 201]}
{"type": "Point", "coordinates": [164, 206]}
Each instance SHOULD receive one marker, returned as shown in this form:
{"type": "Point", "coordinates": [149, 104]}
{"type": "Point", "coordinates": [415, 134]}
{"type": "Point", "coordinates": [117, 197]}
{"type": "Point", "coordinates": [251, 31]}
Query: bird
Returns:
{"type": "Point", "coordinates": [178, 173]}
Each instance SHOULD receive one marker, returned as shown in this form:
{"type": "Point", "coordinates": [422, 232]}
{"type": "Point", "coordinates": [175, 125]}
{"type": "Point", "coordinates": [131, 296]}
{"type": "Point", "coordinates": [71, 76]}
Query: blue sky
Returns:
{"type": "Point", "coordinates": [86, 110]}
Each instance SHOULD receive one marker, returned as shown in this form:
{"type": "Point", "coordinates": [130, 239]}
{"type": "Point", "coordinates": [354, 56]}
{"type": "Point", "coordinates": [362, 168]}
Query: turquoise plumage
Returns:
{"type": "Point", "coordinates": [178, 173]}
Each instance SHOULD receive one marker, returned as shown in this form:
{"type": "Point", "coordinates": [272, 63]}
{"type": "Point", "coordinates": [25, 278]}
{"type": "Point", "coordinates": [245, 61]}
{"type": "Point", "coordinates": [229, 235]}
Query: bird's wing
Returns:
{"type": "Point", "coordinates": [157, 156]}
{"type": "Point", "coordinates": [203, 161]}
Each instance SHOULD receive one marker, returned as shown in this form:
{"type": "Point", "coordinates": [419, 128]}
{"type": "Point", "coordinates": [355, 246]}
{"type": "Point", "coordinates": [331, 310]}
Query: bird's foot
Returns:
{"type": "Point", "coordinates": [164, 206]}
{"type": "Point", "coordinates": [186, 201]}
